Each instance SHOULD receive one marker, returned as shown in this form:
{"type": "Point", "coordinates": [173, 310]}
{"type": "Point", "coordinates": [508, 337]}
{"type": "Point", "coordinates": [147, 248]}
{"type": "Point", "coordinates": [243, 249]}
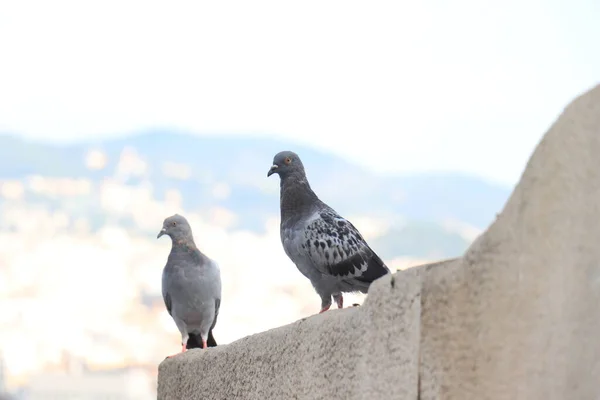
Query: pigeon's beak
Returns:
{"type": "Point", "coordinates": [272, 170]}
{"type": "Point", "coordinates": [162, 232]}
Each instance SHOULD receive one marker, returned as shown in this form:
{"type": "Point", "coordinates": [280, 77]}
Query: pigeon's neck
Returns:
{"type": "Point", "coordinates": [186, 249]}
{"type": "Point", "coordinates": [296, 196]}
{"type": "Point", "coordinates": [183, 244]}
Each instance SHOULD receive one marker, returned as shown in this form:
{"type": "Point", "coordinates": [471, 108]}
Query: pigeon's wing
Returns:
{"type": "Point", "coordinates": [337, 248]}
{"type": "Point", "coordinates": [217, 306]}
{"type": "Point", "coordinates": [167, 299]}
{"type": "Point", "coordinates": [213, 288]}
{"type": "Point", "coordinates": [165, 293]}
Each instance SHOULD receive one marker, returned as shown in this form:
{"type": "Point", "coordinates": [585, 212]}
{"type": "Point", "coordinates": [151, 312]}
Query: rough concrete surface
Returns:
{"type": "Point", "coordinates": [515, 318]}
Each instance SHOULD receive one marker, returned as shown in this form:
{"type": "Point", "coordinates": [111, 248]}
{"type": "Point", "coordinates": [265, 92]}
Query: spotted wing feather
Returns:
{"type": "Point", "coordinates": [337, 248]}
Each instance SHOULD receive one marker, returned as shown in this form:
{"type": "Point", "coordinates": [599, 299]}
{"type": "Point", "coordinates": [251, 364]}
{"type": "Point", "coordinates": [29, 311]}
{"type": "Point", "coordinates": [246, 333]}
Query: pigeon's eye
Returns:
{"type": "Point", "coordinates": [287, 161]}
{"type": "Point", "coordinates": [173, 223]}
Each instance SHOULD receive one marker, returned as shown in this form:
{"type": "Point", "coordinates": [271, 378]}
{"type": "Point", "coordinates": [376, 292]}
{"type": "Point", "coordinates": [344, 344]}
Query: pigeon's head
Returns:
{"type": "Point", "coordinates": [286, 163]}
{"type": "Point", "coordinates": [175, 226]}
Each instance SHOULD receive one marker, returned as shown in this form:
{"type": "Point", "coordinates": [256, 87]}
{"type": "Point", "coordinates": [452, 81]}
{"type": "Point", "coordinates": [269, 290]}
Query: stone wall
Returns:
{"type": "Point", "coordinates": [517, 317]}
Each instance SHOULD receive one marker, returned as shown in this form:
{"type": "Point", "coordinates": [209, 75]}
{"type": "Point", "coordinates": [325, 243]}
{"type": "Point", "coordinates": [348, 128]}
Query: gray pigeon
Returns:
{"type": "Point", "coordinates": [325, 247]}
{"type": "Point", "coordinates": [191, 286]}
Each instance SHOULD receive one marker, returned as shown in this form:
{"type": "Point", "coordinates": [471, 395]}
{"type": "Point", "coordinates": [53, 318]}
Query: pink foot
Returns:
{"type": "Point", "coordinates": [340, 301]}
{"type": "Point", "coordinates": [324, 309]}
{"type": "Point", "coordinates": [204, 344]}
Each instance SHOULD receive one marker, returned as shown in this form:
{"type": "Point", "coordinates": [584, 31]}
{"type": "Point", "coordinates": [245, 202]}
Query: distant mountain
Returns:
{"type": "Point", "coordinates": [242, 163]}
{"type": "Point", "coordinates": [421, 239]}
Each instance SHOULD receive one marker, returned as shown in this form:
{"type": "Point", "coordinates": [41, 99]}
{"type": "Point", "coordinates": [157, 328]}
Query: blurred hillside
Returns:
{"type": "Point", "coordinates": [80, 264]}
{"type": "Point", "coordinates": [429, 211]}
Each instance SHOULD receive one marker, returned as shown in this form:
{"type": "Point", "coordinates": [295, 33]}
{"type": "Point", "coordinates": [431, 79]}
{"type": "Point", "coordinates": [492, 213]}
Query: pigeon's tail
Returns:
{"type": "Point", "coordinates": [195, 341]}
{"type": "Point", "coordinates": [211, 342]}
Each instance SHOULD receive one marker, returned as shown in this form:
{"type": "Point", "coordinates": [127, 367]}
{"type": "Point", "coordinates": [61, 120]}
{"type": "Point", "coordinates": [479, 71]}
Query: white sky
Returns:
{"type": "Point", "coordinates": [398, 86]}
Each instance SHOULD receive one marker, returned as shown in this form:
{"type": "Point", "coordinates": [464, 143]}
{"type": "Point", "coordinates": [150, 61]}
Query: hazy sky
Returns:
{"type": "Point", "coordinates": [462, 85]}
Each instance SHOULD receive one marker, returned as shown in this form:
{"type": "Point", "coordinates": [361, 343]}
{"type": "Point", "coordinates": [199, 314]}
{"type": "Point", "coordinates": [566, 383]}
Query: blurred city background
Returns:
{"type": "Point", "coordinates": [414, 121]}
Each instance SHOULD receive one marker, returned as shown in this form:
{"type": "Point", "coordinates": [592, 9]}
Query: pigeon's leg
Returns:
{"type": "Point", "coordinates": [339, 299]}
{"type": "Point", "coordinates": [325, 303]}
{"type": "Point", "coordinates": [203, 338]}
{"type": "Point", "coordinates": [207, 325]}
{"type": "Point", "coordinates": [184, 339]}
{"type": "Point", "coordinates": [323, 287]}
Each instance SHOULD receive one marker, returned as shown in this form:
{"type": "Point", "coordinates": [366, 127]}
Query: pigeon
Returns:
{"type": "Point", "coordinates": [326, 248]}
{"type": "Point", "coordinates": [191, 286]}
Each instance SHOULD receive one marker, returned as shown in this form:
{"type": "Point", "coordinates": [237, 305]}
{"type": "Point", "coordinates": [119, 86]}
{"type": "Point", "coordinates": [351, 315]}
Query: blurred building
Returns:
{"type": "Point", "coordinates": [2, 375]}
{"type": "Point", "coordinates": [4, 395]}
{"type": "Point", "coordinates": [80, 383]}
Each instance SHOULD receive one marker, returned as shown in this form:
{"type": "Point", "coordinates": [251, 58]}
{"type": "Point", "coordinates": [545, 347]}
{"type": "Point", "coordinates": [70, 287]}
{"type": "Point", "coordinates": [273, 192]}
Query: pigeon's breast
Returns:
{"type": "Point", "coordinates": [192, 285]}
{"type": "Point", "coordinates": [289, 239]}
{"type": "Point", "coordinates": [193, 298]}
{"type": "Point", "coordinates": [195, 313]}
{"type": "Point", "coordinates": [293, 238]}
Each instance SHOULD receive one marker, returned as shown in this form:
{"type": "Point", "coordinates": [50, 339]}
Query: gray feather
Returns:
{"type": "Point", "coordinates": [191, 284]}
{"type": "Point", "coordinates": [325, 247]}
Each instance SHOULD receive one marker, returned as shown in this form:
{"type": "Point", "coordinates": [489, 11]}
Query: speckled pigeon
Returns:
{"type": "Point", "coordinates": [325, 247]}
{"type": "Point", "coordinates": [191, 286]}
